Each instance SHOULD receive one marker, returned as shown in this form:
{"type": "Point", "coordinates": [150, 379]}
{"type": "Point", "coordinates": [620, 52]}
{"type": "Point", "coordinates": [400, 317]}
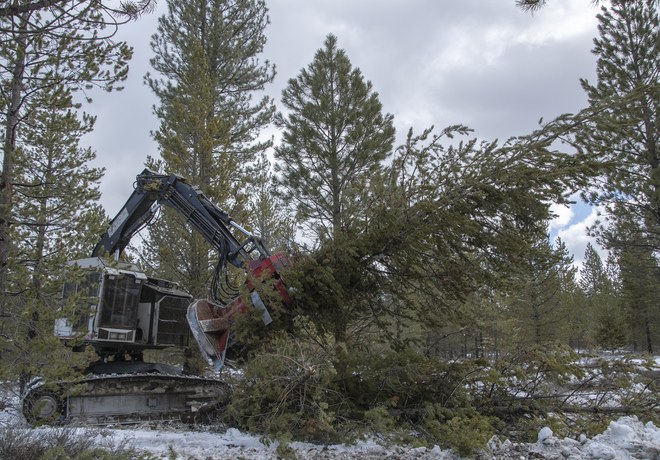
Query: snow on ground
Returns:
{"type": "Point", "coordinates": [233, 444]}
{"type": "Point", "coordinates": [626, 438]}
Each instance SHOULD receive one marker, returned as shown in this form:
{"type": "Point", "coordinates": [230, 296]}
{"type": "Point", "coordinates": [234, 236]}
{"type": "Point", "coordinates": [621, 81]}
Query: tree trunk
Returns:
{"type": "Point", "coordinates": [9, 147]}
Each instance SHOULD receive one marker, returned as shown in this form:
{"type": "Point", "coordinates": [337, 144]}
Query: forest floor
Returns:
{"type": "Point", "coordinates": [625, 438]}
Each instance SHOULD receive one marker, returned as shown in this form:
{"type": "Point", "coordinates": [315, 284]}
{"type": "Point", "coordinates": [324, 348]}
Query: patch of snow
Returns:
{"type": "Point", "coordinates": [630, 438]}
{"type": "Point", "coordinates": [544, 434]}
{"type": "Point", "coordinates": [625, 439]}
{"type": "Point", "coordinates": [234, 444]}
{"type": "Point", "coordinates": [620, 432]}
{"type": "Point", "coordinates": [601, 451]}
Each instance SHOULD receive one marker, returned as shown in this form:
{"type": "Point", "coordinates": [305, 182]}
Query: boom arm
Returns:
{"type": "Point", "coordinates": [152, 190]}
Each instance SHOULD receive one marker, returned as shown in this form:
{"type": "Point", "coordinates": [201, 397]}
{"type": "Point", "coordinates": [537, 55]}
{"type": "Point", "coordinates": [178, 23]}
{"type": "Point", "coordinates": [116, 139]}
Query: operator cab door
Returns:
{"type": "Point", "coordinates": [80, 319]}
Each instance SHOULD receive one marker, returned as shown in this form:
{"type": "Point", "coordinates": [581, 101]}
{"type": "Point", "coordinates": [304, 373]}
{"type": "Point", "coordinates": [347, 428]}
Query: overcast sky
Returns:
{"type": "Point", "coordinates": [483, 63]}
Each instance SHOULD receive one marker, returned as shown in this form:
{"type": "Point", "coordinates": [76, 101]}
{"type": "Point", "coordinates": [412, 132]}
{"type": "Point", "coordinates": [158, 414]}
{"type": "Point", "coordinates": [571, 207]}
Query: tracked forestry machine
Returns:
{"type": "Point", "coordinates": [121, 312]}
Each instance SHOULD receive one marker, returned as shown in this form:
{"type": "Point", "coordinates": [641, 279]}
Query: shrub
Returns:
{"type": "Point", "coordinates": [62, 444]}
{"type": "Point", "coordinates": [287, 391]}
{"type": "Point", "coordinates": [463, 433]}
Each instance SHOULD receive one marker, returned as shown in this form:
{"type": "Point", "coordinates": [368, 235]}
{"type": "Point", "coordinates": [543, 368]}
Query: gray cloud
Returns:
{"type": "Point", "coordinates": [483, 63]}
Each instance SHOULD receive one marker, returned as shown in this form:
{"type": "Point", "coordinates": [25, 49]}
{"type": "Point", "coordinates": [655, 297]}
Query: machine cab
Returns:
{"type": "Point", "coordinates": [117, 308]}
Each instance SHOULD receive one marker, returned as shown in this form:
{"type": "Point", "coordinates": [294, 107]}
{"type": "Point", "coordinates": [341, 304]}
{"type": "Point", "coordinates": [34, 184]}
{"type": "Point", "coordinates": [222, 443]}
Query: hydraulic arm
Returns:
{"type": "Point", "coordinates": [152, 190]}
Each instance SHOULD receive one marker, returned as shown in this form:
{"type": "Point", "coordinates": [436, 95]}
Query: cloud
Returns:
{"type": "Point", "coordinates": [484, 63]}
{"type": "Point", "coordinates": [564, 214]}
{"type": "Point", "coordinates": [576, 238]}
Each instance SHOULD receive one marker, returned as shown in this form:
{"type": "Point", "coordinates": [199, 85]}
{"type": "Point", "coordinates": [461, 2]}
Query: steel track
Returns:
{"type": "Point", "coordinates": [125, 398]}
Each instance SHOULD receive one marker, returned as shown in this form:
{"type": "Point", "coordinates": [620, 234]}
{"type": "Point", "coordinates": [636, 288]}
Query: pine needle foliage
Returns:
{"type": "Point", "coordinates": [49, 190]}
{"type": "Point", "coordinates": [333, 146]}
{"type": "Point", "coordinates": [207, 74]}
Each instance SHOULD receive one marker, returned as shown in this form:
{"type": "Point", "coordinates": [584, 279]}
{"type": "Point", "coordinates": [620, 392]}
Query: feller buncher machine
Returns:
{"type": "Point", "coordinates": [121, 312]}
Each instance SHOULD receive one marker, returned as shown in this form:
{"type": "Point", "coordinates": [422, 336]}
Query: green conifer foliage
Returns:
{"type": "Point", "coordinates": [623, 129]}
{"type": "Point", "coordinates": [48, 53]}
{"type": "Point", "coordinates": [268, 215]}
{"type": "Point", "coordinates": [48, 192]}
{"type": "Point", "coordinates": [206, 59]}
{"type": "Point", "coordinates": [57, 218]}
{"type": "Point", "coordinates": [328, 166]}
{"type": "Point", "coordinates": [639, 271]}
{"type": "Point", "coordinates": [115, 13]}
{"type": "Point", "coordinates": [603, 317]}
{"type": "Point", "coordinates": [460, 216]}
{"type": "Point", "coordinates": [334, 142]}
{"type": "Point", "coordinates": [536, 5]}
{"type": "Point", "coordinates": [537, 303]}
{"type": "Point", "coordinates": [625, 103]}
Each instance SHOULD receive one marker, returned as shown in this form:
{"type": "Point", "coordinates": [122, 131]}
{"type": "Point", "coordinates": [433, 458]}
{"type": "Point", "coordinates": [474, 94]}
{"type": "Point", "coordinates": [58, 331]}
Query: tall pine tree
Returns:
{"type": "Point", "coordinates": [639, 271]}
{"type": "Point", "coordinates": [603, 318]}
{"type": "Point", "coordinates": [56, 218]}
{"type": "Point", "coordinates": [625, 126]}
{"type": "Point", "coordinates": [334, 143]}
{"type": "Point", "coordinates": [47, 192]}
{"type": "Point", "coordinates": [537, 305]}
{"type": "Point", "coordinates": [52, 52]}
{"type": "Point", "coordinates": [333, 146]}
{"type": "Point", "coordinates": [206, 56]}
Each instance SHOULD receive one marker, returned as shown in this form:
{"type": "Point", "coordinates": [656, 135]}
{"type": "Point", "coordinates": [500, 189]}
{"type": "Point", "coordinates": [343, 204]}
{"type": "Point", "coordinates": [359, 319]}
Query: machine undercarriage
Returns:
{"type": "Point", "coordinates": [125, 398]}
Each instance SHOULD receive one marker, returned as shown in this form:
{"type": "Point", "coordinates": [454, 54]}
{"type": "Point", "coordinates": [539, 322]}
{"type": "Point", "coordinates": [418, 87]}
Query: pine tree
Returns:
{"type": "Point", "coordinates": [46, 192]}
{"type": "Point", "coordinates": [593, 278]}
{"type": "Point", "coordinates": [578, 327]}
{"type": "Point", "coordinates": [604, 318]}
{"type": "Point", "coordinates": [536, 5]}
{"type": "Point", "coordinates": [57, 191]}
{"type": "Point", "coordinates": [333, 146]}
{"type": "Point", "coordinates": [67, 9]}
{"type": "Point", "coordinates": [58, 52]}
{"type": "Point", "coordinates": [206, 54]}
{"type": "Point", "coordinates": [537, 306]}
{"type": "Point", "coordinates": [623, 127]}
{"type": "Point", "coordinates": [268, 216]}
{"type": "Point", "coordinates": [334, 142]}
{"type": "Point", "coordinates": [640, 272]}
{"type": "Point", "coordinates": [56, 218]}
